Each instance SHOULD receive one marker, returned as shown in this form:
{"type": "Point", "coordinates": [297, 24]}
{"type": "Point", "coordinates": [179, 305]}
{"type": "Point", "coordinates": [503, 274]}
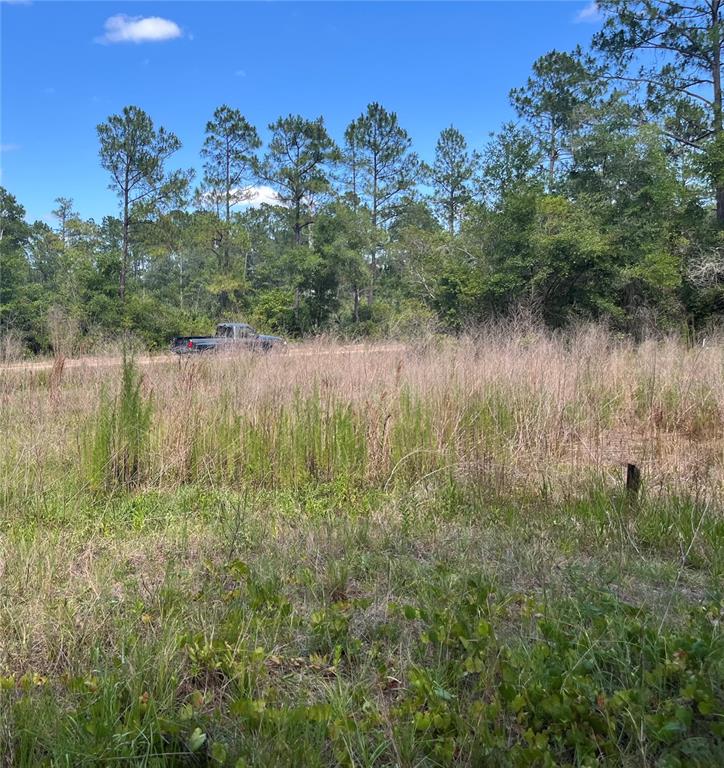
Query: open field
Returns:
{"type": "Point", "coordinates": [415, 555]}
{"type": "Point", "coordinates": [114, 361]}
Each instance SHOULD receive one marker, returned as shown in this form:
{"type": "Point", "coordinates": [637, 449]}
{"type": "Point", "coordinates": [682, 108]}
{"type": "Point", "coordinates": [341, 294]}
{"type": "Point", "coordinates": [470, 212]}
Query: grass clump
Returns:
{"type": "Point", "coordinates": [118, 456]}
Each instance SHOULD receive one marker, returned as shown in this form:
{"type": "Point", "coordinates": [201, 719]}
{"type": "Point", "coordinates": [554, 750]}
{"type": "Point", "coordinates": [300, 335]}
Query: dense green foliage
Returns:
{"type": "Point", "coordinates": [601, 202]}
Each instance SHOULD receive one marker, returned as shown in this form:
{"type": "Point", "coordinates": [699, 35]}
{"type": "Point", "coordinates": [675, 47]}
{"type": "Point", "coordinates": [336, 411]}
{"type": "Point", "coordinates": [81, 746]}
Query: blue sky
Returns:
{"type": "Point", "coordinates": [67, 66]}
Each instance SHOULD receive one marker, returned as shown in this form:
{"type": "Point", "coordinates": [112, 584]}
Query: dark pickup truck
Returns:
{"type": "Point", "coordinates": [229, 336]}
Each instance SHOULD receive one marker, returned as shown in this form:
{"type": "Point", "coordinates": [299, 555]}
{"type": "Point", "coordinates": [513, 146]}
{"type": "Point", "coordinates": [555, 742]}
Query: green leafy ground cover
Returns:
{"type": "Point", "coordinates": [345, 626]}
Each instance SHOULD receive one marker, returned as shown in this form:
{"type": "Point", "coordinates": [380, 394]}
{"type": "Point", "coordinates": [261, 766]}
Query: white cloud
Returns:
{"type": "Point", "coordinates": [245, 197]}
{"type": "Point", "coordinates": [9, 147]}
{"type": "Point", "coordinates": [240, 73]}
{"type": "Point", "coordinates": [137, 29]}
{"type": "Point", "coordinates": [16, 2]}
{"type": "Point", "coordinates": [259, 195]}
{"type": "Point", "coordinates": [591, 14]}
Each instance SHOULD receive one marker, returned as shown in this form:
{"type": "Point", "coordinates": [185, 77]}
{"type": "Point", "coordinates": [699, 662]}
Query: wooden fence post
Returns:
{"type": "Point", "coordinates": [633, 481]}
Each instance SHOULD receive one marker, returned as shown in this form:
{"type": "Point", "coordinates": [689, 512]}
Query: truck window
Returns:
{"type": "Point", "coordinates": [224, 330]}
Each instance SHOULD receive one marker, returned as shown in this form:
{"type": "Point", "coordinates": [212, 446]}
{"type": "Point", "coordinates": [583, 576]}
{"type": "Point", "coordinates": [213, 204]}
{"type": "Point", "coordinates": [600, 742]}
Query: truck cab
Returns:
{"type": "Point", "coordinates": [235, 331]}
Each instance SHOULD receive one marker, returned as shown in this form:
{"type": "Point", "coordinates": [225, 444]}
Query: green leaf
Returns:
{"type": "Point", "coordinates": [219, 752]}
{"type": "Point", "coordinates": [197, 740]}
{"type": "Point", "coordinates": [518, 703]}
{"type": "Point", "coordinates": [483, 628]}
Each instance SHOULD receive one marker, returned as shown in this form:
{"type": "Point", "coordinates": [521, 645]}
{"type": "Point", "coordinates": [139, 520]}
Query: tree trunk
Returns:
{"type": "Point", "coordinates": [297, 223]}
{"type": "Point", "coordinates": [228, 184]}
{"type": "Point", "coordinates": [124, 255]}
{"type": "Point", "coordinates": [227, 234]}
{"type": "Point", "coordinates": [356, 304]}
{"type": "Point", "coordinates": [373, 261]}
{"type": "Point", "coordinates": [720, 203]}
{"type": "Point", "coordinates": [552, 158]}
{"type": "Point", "coordinates": [354, 180]}
{"type": "Point", "coordinates": [297, 302]}
{"type": "Point", "coordinates": [716, 77]}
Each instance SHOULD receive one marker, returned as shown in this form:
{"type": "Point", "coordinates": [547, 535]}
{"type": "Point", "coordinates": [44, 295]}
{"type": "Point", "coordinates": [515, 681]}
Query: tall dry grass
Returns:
{"type": "Point", "coordinates": [505, 406]}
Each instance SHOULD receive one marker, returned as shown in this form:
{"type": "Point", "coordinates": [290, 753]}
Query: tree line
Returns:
{"type": "Point", "coordinates": [604, 199]}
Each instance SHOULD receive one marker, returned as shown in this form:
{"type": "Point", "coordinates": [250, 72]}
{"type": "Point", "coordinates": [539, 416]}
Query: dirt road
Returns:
{"type": "Point", "coordinates": [166, 358]}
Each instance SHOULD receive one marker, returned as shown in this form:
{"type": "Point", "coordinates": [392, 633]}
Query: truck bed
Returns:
{"type": "Point", "coordinates": [189, 344]}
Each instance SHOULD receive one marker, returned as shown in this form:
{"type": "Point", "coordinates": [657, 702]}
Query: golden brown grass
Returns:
{"type": "Point", "coordinates": [525, 407]}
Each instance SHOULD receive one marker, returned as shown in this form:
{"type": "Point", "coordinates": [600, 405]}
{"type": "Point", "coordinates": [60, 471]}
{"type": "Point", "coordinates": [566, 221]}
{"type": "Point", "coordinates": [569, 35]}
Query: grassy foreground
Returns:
{"type": "Point", "coordinates": [405, 556]}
